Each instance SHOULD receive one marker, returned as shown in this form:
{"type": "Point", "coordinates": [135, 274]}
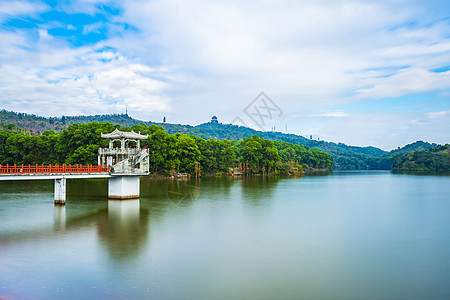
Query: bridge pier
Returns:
{"type": "Point", "coordinates": [123, 187]}
{"type": "Point", "coordinates": [60, 190]}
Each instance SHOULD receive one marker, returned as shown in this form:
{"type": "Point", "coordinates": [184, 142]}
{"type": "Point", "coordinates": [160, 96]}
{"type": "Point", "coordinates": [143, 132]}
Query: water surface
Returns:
{"type": "Point", "coordinates": [347, 235]}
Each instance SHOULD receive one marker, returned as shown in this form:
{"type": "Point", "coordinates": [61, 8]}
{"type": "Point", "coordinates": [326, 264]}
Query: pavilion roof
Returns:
{"type": "Point", "coordinates": [117, 134]}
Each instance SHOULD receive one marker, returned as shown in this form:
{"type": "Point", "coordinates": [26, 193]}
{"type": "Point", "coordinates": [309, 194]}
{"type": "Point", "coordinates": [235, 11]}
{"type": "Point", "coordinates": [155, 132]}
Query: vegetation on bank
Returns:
{"type": "Point", "coordinates": [384, 162]}
{"type": "Point", "coordinates": [434, 159]}
{"type": "Point", "coordinates": [345, 157]}
{"type": "Point", "coordinates": [169, 153]}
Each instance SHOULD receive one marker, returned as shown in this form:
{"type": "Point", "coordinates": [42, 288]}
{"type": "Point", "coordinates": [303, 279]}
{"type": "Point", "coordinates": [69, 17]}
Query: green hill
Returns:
{"type": "Point", "coordinates": [433, 159]}
{"type": "Point", "coordinates": [384, 162]}
{"type": "Point", "coordinates": [345, 157]}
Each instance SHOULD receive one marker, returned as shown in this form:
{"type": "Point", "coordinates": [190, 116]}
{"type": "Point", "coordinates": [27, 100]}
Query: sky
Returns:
{"type": "Point", "coordinates": [364, 73]}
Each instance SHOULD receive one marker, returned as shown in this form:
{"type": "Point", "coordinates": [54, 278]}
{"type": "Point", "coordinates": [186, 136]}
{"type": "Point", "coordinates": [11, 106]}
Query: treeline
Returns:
{"type": "Point", "coordinates": [169, 153]}
{"type": "Point", "coordinates": [384, 162]}
{"type": "Point", "coordinates": [11, 127]}
{"type": "Point", "coordinates": [37, 124]}
{"type": "Point", "coordinates": [345, 157]}
{"type": "Point", "coordinates": [434, 159]}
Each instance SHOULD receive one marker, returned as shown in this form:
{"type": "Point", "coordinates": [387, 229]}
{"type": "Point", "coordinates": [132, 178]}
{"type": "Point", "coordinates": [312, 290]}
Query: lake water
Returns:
{"type": "Point", "coordinates": [346, 235]}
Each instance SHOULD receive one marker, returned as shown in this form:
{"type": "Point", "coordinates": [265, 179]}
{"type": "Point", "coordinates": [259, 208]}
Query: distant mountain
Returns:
{"type": "Point", "coordinates": [384, 162]}
{"type": "Point", "coordinates": [345, 157]}
{"type": "Point", "coordinates": [416, 146]}
{"type": "Point", "coordinates": [37, 124]}
{"type": "Point", "coordinates": [432, 159]}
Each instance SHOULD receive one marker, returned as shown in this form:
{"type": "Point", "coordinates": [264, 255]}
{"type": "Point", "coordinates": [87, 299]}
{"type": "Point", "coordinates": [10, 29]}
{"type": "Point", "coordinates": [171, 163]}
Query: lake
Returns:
{"type": "Point", "coordinates": [342, 235]}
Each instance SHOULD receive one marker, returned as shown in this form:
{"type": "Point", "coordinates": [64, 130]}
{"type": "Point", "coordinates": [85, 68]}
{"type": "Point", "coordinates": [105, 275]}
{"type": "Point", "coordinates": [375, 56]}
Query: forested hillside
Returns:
{"type": "Point", "coordinates": [169, 153]}
{"type": "Point", "coordinates": [385, 162]}
{"type": "Point", "coordinates": [37, 125]}
{"type": "Point", "coordinates": [434, 159]}
{"type": "Point", "coordinates": [345, 157]}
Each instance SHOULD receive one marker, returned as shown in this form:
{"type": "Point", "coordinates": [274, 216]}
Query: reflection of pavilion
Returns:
{"type": "Point", "coordinates": [125, 228]}
{"type": "Point", "coordinates": [122, 228]}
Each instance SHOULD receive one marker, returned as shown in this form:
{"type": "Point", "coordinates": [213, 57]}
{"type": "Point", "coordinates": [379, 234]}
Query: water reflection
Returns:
{"type": "Point", "coordinates": [183, 193]}
{"type": "Point", "coordinates": [122, 227]}
{"type": "Point", "coordinates": [266, 237]}
{"type": "Point", "coordinates": [125, 229]}
{"type": "Point", "coordinates": [59, 217]}
{"type": "Point", "coordinates": [258, 188]}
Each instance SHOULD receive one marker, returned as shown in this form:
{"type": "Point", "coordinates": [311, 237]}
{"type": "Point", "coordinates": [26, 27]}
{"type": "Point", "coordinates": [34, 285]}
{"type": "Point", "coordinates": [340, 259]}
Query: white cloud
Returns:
{"type": "Point", "coordinates": [387, 131]}
{"type": "Point", "coordinates": [99, 82]}
{"type": "Point", "coordinates": [92, 28]}
{"type": "Point", "coordinates": [406, 81]}
{"type": "Point", "coordinates": [199, 58]}
{"type": "Point", "coordinates": [307, 50]}
{"type": "Point", "coordinates": [439, 114]}
{"type": "Point", "coordinates": [337, 114]}
{"type": "Point", "coordinates": [20, 8]}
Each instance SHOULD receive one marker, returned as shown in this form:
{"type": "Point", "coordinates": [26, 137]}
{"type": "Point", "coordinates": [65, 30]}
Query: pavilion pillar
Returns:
{"type": "Point", "coordinates": [60, 190]}
{"type": "Point", "coordinates": [123, 187]}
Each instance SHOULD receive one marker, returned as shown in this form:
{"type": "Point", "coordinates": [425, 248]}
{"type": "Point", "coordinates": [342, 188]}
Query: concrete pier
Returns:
{"type": "Point", "coordinates": [60, 190]}
{"type": "Point", "coordinates": [123, 187]}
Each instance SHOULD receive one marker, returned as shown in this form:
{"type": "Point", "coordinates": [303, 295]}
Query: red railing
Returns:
{"type": "Point", "coordinates": [46, 169]}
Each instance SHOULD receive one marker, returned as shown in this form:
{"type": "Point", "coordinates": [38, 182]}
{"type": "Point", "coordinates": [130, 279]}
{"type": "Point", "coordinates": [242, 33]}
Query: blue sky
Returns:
{"type": "Point", "coordinates": [359, 72]}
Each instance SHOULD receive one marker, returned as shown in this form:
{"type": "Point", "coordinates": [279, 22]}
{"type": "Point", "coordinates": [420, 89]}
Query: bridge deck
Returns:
{"type": "Point", "coordinates": [29, 172]}
{"type": "Point", "coordinates": [49, 169]}
{"type": "Point", "coordinates": [53, 176]}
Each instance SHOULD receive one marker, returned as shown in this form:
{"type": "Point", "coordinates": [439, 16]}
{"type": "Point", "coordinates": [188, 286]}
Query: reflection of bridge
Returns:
{"type": "Point", "coordinates": [121, 165]}
{"type": "Point", "coordinates": [122, 226]}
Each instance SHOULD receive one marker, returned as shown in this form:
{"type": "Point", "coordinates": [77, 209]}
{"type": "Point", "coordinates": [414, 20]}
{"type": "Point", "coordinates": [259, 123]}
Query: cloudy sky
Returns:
{"type": "Point", "coordinates": [359, 72]}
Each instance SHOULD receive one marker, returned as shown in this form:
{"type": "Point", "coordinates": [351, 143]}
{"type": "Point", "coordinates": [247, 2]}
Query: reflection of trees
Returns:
{"type": "Point", "coordinates": [183, 192]}
{"type": "Point", "coordinates": [258, 188]}
{"type": "Point", "coordinates": [123, 226]}
{"type": "Point", "coordinates": [320, 173]}
{"type": "Point", "coordinates": [86, 189]}
{"type": "Point", "coordinates": [158, 194]}
{"type": "Point", "coordinates": [124, 229]}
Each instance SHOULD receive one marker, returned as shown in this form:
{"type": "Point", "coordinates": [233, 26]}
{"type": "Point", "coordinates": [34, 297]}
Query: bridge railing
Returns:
{"type": "Point", "coordinates": [51, 169]}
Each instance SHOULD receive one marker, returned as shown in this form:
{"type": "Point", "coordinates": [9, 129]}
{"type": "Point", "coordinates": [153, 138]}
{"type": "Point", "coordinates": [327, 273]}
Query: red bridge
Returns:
{"type": "Point", "coordinates": [123, 178]}
{"type": "Point", "coordinates": [55, 169]}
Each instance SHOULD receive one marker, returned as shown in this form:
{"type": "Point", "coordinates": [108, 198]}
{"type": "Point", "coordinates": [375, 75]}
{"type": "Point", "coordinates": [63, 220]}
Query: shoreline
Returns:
{"type": "Point", "coordinates": [309, 172]}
